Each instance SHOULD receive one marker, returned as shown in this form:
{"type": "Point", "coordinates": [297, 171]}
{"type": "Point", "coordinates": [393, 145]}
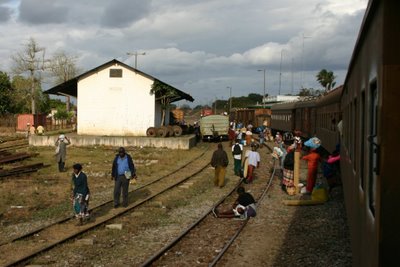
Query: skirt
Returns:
{"type": "Point", "coordinates": [288, 177]}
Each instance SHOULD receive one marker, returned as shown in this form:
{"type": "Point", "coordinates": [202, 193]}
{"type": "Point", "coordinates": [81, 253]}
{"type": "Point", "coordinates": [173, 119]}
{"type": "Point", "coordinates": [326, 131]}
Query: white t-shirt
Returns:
{"type": "Point", "coordinates": [254, 157]}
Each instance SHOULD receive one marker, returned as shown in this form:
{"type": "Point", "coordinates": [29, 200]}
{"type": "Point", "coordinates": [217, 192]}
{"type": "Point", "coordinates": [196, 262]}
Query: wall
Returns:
{"type": "Point", "coordinates": [183, 142]}
{"type": "Point", "coordinates": [115, 106]}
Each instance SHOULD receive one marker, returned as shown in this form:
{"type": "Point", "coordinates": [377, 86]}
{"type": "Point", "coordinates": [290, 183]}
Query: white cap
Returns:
{"type": "Point", "coordinates": [61, 137]}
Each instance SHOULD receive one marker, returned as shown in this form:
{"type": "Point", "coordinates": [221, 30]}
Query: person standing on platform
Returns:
{"type": "Point", "coordinates": [288, 170]}
{"type": "Point", "coordinates": [61, 151]}
{"type": "Point", "coordinates": [237, 151]}
{"type": "Point", "coordinates": [313, 159]}
{"type": "Point", "coordinates": [253, 162]}
{"type": "Point", "coordinates": [219, 161]}
{"type": "Point", "coordinates": [122, 171]}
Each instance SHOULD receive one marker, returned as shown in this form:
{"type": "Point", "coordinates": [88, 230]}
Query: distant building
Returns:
{"type": "Point", "coordinates": [281, 98]}
{"type": "Point", "coordinates": [114, 100]}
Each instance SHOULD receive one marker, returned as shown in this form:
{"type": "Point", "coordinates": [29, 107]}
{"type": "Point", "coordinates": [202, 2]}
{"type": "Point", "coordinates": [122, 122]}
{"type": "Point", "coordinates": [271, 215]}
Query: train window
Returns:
{"type": "Point", "coordinates": [349, 131]}
{"type": "Point", "coordinates": [355, 125]}
{"type": "Point", "coordinates": [373, 148]}
{"type": "Point", "coordinates": [362, 139]}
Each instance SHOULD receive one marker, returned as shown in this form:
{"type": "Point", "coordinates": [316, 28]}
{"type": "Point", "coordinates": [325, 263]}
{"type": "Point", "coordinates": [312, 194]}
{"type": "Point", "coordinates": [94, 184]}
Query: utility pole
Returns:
{"type": "Point", "coordinates": [230, 98]}
{"type": "Point", "coordinates": [280, 73]}
{"type": "Point", "coordinates": [263, 99]}
{"type": "Point", "coordinates": [136, 54]}
{"type": "Point", "coordinates": [302, 60]}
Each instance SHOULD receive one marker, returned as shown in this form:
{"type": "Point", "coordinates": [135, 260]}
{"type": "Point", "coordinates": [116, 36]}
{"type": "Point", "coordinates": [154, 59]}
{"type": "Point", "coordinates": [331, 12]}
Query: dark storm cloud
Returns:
{"type": "Point", "coordinates": [42, 11]}
{"type": "Point", "coordinates": [122, 13]}
{"type": "Point", "coordinates": [5, 14]}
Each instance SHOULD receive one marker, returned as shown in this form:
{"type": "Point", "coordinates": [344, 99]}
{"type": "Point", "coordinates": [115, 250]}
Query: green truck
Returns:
{"type": "Point", "coordinates": [214, 128]}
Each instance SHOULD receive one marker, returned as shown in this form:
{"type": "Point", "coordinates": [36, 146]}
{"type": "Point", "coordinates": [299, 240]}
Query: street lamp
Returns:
{"type": "Point", "coordinates": [230, 98]}
{"type": "Point", "coordinates": [136, 54]}
{"type": "Point", "coordinates": [264, 87]}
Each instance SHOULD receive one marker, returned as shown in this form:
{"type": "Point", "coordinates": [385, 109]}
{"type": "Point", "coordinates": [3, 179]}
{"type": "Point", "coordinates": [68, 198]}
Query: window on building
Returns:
{"type": "Point", "coordinates": [115, 73]}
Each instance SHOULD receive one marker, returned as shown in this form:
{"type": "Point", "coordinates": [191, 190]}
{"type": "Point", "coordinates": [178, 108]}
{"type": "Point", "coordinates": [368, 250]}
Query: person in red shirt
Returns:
{"type": "Point", "coordinates": [313, 159]}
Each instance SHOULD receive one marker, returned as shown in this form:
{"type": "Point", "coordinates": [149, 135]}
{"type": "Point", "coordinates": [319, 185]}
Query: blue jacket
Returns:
{"type": "Point", "coordinates": [114, 170]}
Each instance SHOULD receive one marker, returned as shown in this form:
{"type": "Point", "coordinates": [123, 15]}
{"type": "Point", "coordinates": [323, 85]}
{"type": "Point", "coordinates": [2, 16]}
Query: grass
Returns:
{"type": "Point", "coordinates": [45, 194]}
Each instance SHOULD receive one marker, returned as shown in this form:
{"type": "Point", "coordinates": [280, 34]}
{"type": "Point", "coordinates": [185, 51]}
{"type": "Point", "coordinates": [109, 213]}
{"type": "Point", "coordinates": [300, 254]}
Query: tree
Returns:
{"type": "Point", "coordinates": [5, 94]}
{"type": "Point", "coordinates": [63, 68]}
{"type": "Point", "coordinates": [165, 94]}
{"type": "Point", "coordinates": [326, 79]}
{"type": "Point", "coordinates": [310, 92]}
{"type": "Point", "coordinates": [21, 94]}
{"type": "Point", "coordinates": [31, 61]}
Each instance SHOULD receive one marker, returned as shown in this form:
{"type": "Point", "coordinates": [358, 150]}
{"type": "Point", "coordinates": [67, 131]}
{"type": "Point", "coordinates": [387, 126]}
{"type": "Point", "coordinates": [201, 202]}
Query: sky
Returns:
{"type": "Point", "coordinates": [210, 49]}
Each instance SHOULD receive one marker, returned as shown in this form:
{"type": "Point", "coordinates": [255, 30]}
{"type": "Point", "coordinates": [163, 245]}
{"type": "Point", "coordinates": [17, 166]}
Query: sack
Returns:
{"type": "Point", "coordinates": [237, 150]}
{"type": "Point", "coordinates": [57, 149]}
{"type": "Point", "coordinates": [128, 174]}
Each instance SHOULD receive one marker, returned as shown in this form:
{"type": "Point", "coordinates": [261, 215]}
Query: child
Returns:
{"type": "Point", "coordinates": [80, 193]}
{"type": "Point", "coordinates": [243, 207]}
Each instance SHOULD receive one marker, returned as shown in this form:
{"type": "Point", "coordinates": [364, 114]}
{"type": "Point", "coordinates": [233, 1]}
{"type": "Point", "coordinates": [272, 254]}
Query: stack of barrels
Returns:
{"type": "Point", "coordinates": [164, 131]}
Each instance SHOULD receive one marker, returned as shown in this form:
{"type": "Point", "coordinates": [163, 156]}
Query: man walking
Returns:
{"type": "Point", "coordinates": [237, 151]}
{"type": "Point", "coordinates": [122, 171]}
{"type": "Point", "coordinates": [219, 161]}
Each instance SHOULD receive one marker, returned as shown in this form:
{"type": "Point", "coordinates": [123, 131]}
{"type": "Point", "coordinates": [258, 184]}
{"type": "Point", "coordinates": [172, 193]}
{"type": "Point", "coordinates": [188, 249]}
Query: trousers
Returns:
{"type": "Point", "coordinates": [121, 183]}
{"type": "Point", "coordinates": [219, 176]}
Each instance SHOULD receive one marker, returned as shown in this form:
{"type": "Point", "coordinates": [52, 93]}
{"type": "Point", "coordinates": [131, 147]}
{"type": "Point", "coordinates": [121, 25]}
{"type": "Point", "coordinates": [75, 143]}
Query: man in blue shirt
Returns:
{"type": "Point", "coordinates": [122, 171]}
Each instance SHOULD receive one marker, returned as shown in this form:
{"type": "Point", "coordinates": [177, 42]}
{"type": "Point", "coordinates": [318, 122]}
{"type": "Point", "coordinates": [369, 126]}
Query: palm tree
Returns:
{"type": "Point", "coordinates": [326, 79]}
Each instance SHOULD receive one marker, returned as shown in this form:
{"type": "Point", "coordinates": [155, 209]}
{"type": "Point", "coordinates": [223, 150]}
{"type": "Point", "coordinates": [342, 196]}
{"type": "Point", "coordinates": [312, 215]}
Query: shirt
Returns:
{"type": "Point", "coordinates": [254, 157]}
{"type": "Point", "coordinates": [245, 199]}
{"type": "Point", "coordinates": [122, 165]}
{"type": "Point", "coordinates": [313, 159]}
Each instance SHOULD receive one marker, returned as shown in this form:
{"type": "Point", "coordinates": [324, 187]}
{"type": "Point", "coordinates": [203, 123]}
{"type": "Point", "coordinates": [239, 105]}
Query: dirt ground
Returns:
{"type": "Point", "coordinates": [280, 235]}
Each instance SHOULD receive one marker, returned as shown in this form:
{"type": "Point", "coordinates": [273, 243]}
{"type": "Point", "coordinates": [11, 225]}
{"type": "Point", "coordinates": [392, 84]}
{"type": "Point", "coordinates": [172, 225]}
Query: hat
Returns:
{"type": "Point", "coordinates": [313, 143]}
{"type": "Point", "coordinates": [61, 137]}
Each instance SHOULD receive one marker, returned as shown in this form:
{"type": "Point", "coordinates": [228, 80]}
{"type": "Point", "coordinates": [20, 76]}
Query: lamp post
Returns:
{"type": "Point", "coordinates": [230, 97]}
{"type": "Point", "coordinates": [136, 54]}
{"type": "Point", "coordinates": [263, 99]}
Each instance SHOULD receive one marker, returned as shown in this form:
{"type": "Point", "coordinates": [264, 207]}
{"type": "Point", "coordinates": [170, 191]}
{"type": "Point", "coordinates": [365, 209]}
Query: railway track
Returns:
{"type": "Point", "coordinates": [207, 240]}
{"type": "Point", "coordinates": [45, 238]}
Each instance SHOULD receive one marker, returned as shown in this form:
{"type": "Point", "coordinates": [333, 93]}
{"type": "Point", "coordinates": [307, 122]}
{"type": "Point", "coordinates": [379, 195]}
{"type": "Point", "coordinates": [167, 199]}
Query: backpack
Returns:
{"type": "Point", "coordinates": [237, 150]}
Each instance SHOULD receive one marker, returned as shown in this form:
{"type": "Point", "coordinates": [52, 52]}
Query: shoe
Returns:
{"type": "Point", "coordinates": [116, 206]}
{"type": "Point", "coordinates": [125, 205]}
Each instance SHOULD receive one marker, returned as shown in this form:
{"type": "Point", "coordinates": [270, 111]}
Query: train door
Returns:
{"type": "Point", "coordinates": [373, 151]}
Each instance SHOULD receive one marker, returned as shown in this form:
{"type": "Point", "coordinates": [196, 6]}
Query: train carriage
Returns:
{"type": "Point", "coordinates": [370, 143]}
{"type": "Point", "coordinates": [328, 115]}
{"type": "Point", "coordinates": [305, 118]}
{"type": "Point", "coordinates": [282, 117]}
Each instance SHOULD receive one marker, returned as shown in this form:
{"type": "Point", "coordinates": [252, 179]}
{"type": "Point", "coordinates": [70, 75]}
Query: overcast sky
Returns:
{"type": "Point", "coordinates": [201, 47]}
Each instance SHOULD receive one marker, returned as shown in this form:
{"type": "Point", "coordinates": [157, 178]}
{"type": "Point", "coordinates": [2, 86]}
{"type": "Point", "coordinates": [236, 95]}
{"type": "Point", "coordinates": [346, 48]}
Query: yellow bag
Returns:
{"type": "Point", "coordinates": [319, 194]}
